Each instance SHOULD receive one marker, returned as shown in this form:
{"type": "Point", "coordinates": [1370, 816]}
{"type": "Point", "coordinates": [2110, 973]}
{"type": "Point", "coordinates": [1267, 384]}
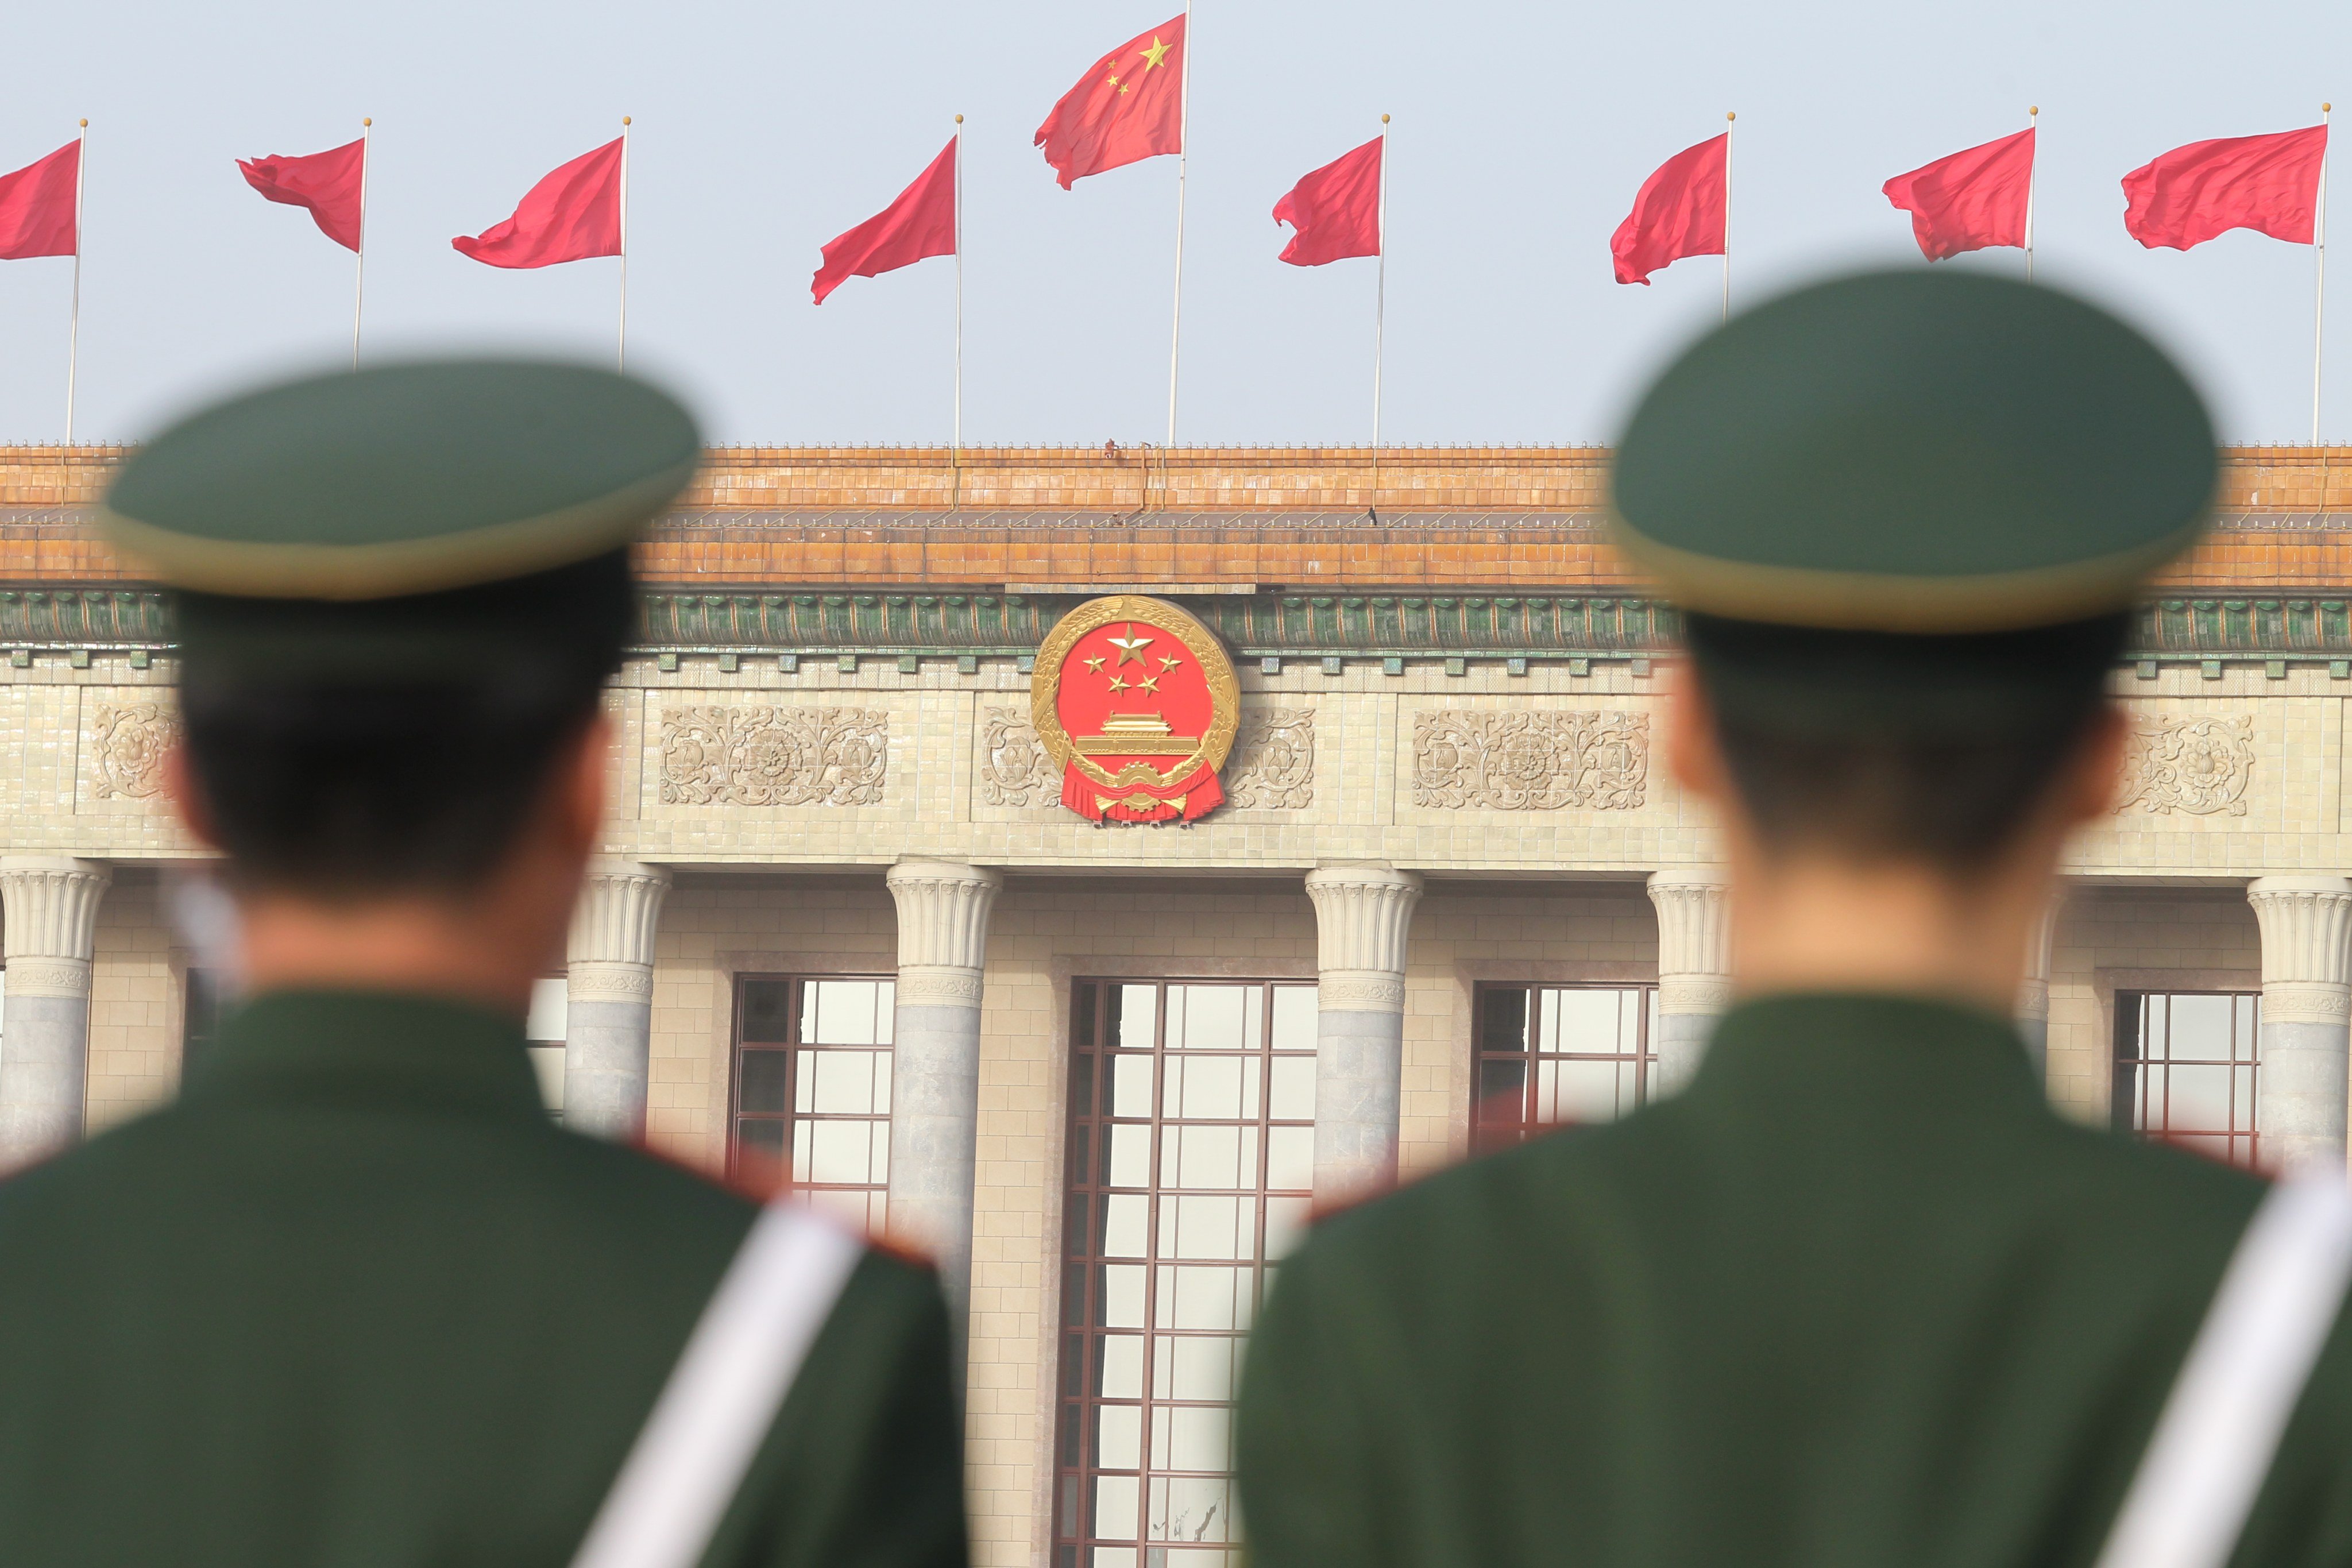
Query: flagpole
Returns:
{"type": "Point", "coordinates": [955, 500]}
{"type": "Point", "coordinates": [1728, 119]}
{"type": "Point", "coordinates": [2319, 286]}
{"type": "Point", "coordinates": [73, 322]}
{"type": "Point", "coordinates": [2032, 168]}
{"type": "Point", "coordinates": [359, 282]}
{"type": "Point", "coordinates": [1183, 144]}
{"type": "Point", "coordinates": [622, 359]}
{"type": "Point", "coordinates": [1380, 312]}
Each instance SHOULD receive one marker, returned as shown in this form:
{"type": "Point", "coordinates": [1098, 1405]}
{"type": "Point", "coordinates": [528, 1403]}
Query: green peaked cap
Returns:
{"type": "Point", "coordinates": [403, 479]}
{"type": "Point", "coordinates": [1915, 451]}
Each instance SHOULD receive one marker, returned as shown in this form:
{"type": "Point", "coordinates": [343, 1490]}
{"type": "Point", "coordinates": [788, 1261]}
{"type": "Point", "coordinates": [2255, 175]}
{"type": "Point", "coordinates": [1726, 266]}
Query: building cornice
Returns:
{"type": "Point", "coordinates": [73, 621]}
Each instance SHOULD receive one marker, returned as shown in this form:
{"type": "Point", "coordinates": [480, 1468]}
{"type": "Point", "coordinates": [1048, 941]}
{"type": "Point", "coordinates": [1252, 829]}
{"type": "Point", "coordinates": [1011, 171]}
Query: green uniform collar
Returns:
{"type": "Point", "coordinates": [1867, 1047]}
{"type": "Point", "coordinates": [372, 1048]}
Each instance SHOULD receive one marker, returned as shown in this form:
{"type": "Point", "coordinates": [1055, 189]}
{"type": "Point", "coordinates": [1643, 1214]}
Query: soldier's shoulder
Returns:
{"type": "Point", "coordinates": [1528, 1190]}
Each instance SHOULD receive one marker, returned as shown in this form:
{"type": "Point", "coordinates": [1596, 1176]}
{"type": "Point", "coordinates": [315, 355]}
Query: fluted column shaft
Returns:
{"type": "Point", "coordinates": [2033, 994]}
{"type": "Point", "coordinates": [1694, 969]}
{"type": "Point", "coordinates": [2306, 924]}
{"type": "Point", "coordinates": [48, 929]}
{"type": "Point", "coordinates": [1361, 916]}
{"type": "Point", "coordinates": [608, 1013]}
{"type": "Point", "coordinates": [943, 911]}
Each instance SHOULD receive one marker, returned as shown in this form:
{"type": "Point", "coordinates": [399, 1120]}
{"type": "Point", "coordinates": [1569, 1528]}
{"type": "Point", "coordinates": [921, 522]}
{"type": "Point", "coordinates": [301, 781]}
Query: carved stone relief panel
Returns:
{"type": "Point", "coordinates": [1013, 768]}
{"type": "Point", "coordinates": [1518, 760]}
{"type": "Point", "coordinates": [124, 759]}
{"type": "Point", "coordinates": [718, 755]}
{"type": "Point", "coordinates": [2200, 766]}
{"type": "Point", "coordinates": [1272, 765]}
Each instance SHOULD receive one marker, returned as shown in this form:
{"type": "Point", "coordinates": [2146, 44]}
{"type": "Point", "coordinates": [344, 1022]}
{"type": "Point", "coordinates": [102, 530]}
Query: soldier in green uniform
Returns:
{"type": "Point", "coordinates": [353, 1299]}
{"type": "Point", "coordinates": [1857, 1296]}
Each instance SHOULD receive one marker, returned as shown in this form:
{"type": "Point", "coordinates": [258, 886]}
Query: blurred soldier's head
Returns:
{"type": "Point", "coordinates": [1907, 516]}
{"type": "Point", "coordinates": [398, 593]}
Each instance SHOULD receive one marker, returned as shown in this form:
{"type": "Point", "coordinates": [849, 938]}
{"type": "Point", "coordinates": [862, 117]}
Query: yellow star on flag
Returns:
{"type": "Point", "coordinates": [1131, 647]}
{"type": "Point", "coordinates": [1116, 684]}
{"type": "Point", "coordinates": [1151, 683]}
{"type": "Point", "coordinates": [1152, 57]}
{"type": "Point", "coordinates": [1166, 662]}
{"type": "Point", "coordinates": [1096, 664]}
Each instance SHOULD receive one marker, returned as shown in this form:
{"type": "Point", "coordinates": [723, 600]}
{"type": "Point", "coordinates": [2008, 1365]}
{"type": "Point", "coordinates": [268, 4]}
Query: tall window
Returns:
{"type": "Point", "coordinates": [1553, 1054]}
{"type": "Point", "coordinates": [200, 1019]}
{"type": "Point", "coordinates": [811, 1097]}
{"type": "Point", "coordinates": [1192, 1155]}
{"type": "Point", "coordinates": [2186, 1064]}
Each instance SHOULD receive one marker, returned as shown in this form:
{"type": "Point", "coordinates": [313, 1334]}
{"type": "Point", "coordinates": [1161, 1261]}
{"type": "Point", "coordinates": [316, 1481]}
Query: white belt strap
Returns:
{"type": "Point", "coordinates": [722, 1396]}
{"type": "Point", "coordinates": [2246, 1369]}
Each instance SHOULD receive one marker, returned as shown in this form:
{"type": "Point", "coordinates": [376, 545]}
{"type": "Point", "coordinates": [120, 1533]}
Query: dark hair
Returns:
{"type": "Point", "coordinates": [353, 791]}
{"type": "Point", "coordinates": [1876, 747]}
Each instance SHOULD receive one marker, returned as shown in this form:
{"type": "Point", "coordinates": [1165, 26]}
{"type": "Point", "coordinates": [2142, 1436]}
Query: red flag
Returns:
{"type": "Point", "coordinates": [571, 215]}
{"type": "Point", "coordinates": [2267, 184]}
{"type": "Point", "coordinates": [1129, 106]}
{"type": "Point", "coordinates": [330, 183]}
{"type": "Point", "coordinates": [1677, 213]}
{"type": "Point", "coordinates": [1336, 209]}
{"type": "Point", "coordinates": [37, 206]}
{"type": "Point", "coordinates": [921, 223]}
{"type": "Point", "coordinates": [1968, 200]}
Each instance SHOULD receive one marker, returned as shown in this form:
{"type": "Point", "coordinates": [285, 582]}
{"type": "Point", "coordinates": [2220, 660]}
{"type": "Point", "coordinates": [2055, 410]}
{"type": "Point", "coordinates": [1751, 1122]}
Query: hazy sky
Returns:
{"type": "Point", "coordinates": [1522, 131]}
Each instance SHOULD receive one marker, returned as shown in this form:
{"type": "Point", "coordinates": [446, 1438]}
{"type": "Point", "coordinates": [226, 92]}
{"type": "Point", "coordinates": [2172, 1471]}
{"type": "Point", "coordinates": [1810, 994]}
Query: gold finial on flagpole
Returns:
{"type": "Point", "coordinates": [367, 120]}
{"type": "Point", "coordinates": [624, 119]}
{"type": "Point", "coordinates": [958, 120]}
{"type": "Point", "coordinates": [85, 124]}
{"type": "Point", "coordinates": [1385, 120]}
{"type": "Point", "coordinates": [1728, 115]}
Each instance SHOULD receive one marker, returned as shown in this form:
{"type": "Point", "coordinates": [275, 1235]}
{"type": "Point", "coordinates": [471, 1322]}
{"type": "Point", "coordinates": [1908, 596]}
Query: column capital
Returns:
{"type": "Point", "coordinates": [2307, 926]}
{"type": "Point", "coordinates": [49, 922]}
{"type": "Point", "coordinates": [944, 909]}
{"type": "Point", "coordinates": [2033, 994]}
{"type": "Point", "coordinates": [1362, 914]}
{"type": "Point", "coordinates": [1693, 938]}
{"type": "Point", "coordinates": [614, 924]}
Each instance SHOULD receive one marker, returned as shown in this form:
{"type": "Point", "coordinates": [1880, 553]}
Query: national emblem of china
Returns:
{"type": "Point", "coordinates": [1137, 703]}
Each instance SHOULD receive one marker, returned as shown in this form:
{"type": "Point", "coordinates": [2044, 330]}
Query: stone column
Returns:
{"type": "Point", "coordinates": [1694, 969]}
{"type": "Point", "coordinates": [608, 1013]}
{"type": "Point", "coordinates": [935, 1058]}
{"type": "Point", "coordinates": [2034, 995]}
{"type": "Point", "coordinates": [1361, 916]}
{"type": "Point", "coordinates": [48, 927]}
{"type": "Point", "coordinates": [2306, 925]}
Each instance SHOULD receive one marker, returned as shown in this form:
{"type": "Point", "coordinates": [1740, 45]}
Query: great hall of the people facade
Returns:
{"type": "Point", "coordinates": [846, 921]}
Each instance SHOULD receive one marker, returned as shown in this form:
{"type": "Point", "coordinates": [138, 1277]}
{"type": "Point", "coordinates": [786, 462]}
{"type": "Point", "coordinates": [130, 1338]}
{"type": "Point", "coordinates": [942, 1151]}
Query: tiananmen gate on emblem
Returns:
{"type": "Point", "coordinates": [1137, 701]}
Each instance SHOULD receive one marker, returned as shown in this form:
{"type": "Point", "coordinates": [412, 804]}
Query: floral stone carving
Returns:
{"type": "Point", "coordinates": [774, 756]}
{"type": "Point", "coordinates": [1273, 762]}
{"type": "Point", "coordinates": [1013, 767]}
{"type": "Point", "coordinates": [127, 742]}
{"type": "Point", "coordinates": [2200, 766]}
{"type": "Point", "coordinates": [1518, 760]}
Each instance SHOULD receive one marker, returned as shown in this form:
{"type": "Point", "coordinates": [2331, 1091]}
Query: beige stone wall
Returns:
{"type": "Point", "coordinates": [136, 982]}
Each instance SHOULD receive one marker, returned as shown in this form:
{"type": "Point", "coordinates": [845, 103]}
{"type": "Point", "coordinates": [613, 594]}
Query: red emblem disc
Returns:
{"type": "Point", "coordinates": [1137, 701]}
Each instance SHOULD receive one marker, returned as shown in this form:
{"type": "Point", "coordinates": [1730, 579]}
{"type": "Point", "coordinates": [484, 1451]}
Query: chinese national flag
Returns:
{"type": "Point", "coordinates": [1968, 200]}
{"type": "Point", "coordinates": [328, 184]}
{"type": "Point", "coordinates": [2267, 184]}
{"type": "Point", "coordinates": [1129, 106]}
{"type": "Point", "coordinates": [920, 223]}
{"type": "Point", "coordinates": [1678, 211]}
{"type": "Point", "coordinates": [571, 215]}
{"type": "Point", "coordinates": [36, 206]}
{"type": "Point", "coordinates": [1336, 209]}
